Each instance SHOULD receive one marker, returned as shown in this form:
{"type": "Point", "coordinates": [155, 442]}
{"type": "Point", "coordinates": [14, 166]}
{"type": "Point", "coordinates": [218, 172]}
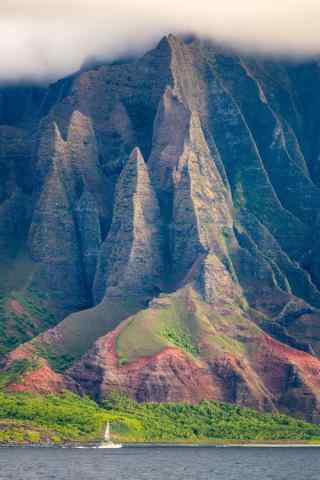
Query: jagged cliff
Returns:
{"type": "Point", "coordinates": [159, 230]}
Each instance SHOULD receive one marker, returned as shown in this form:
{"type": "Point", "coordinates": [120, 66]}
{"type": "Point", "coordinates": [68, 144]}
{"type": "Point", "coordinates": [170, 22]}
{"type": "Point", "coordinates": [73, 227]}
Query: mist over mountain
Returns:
{"type": "Point", "coordinates": [49, 40]}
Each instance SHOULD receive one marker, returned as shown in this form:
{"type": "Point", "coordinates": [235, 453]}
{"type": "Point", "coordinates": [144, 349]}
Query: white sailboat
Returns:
{"type": "Point", "coordinates": [108, 443]}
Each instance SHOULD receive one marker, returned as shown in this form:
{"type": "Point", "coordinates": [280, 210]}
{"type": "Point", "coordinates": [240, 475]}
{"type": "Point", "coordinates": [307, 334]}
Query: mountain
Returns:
{"type": "Point", "coordinates": [159, 231]}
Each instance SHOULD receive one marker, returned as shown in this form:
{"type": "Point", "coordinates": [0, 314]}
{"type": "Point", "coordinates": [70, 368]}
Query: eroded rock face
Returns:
{"type": "Point", "coordinates": [130, 261]}
{"type": "Point", "coordinates": [175, 197]}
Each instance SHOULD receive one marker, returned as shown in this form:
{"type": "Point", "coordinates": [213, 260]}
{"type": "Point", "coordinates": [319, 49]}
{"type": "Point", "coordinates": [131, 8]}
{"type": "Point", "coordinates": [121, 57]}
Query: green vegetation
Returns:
{"type": "Point", "coordinates": [16, 370]}
{"type": "Point", "coordinates": [48, 419]}
{"type": "Point", "coordinates": [68, 418]}
{"type": "Point", "coordinates": [181, 339]}
{"type": "Point", "coordinates": [184, 320]}
{"type": "Point", "coordinates": [58, 360]}
{"type": "Point", "coordinates": [165, 323]}
{"type": "Point", "coordinates": [22, 317]}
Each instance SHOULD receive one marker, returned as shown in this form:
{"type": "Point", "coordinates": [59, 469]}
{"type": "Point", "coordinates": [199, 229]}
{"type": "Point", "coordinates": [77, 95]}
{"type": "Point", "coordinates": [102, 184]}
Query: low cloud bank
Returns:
{"type": "Point", "coordinates": [47, 39]}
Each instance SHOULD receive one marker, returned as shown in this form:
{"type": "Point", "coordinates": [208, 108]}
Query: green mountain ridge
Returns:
{"type": "Point", "coordinates": [159, 225]}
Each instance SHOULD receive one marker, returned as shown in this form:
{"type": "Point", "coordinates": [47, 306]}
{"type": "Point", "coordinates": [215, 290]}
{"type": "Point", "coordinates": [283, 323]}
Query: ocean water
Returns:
{"type": "Point", "coordinates": [156, 463]}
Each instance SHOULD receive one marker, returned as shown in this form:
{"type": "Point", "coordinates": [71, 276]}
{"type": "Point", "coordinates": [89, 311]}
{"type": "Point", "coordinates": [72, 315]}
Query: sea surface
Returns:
{"type": "Point", "coordinates": [160, 463]}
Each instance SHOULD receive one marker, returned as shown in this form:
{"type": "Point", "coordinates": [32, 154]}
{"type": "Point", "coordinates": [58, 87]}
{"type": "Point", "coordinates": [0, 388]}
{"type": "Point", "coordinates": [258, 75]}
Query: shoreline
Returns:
{"type": "Point", "coordinates": [208, 444]}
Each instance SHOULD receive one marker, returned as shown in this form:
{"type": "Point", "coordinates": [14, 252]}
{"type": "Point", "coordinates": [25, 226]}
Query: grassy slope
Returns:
{"type": "Point", "coordinates": [182, 320]}
{"type": "Point", "coordinates": [67, 418]}
{"type": "Point", "coordinates": [151, 330]}
{"type": "Point", "coordinates": [79, 331]}
{"type": "Point", "coordinates": [19, 326]}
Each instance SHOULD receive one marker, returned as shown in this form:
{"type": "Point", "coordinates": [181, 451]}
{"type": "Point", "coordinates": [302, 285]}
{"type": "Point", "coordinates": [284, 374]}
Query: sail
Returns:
{"type": "Point", "coordinates": [107, 443]}
{"type": "Point", "coordinates": [107, 433]}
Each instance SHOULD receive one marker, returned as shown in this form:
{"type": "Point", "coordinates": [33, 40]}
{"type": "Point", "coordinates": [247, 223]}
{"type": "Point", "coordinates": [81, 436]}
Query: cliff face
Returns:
{"type": "Point", "coordinates": [165, 211]}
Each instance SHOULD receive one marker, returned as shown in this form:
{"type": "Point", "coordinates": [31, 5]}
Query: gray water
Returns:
{"type": "Point", "coordinates": [160, 464]}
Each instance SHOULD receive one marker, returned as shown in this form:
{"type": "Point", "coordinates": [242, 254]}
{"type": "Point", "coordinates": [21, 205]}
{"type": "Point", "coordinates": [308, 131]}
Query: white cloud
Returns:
{"type": "Point", "coordinates": [40, 38]}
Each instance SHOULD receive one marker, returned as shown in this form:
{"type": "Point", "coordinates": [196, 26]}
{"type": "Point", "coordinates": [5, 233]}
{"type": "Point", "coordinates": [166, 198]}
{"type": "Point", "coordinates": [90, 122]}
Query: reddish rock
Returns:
{"type": "Point", "coordinates": [42, 380]}
{"type": "Point", "coordinates": [271, 376]}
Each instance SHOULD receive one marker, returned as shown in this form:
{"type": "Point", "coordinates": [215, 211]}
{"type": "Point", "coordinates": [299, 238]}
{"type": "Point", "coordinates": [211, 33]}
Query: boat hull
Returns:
{"type": "Point", "coordinates": [110, 445]}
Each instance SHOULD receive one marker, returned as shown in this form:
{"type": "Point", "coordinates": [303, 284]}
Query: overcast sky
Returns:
{"type": "Point", "coordinates": [41, 38]}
